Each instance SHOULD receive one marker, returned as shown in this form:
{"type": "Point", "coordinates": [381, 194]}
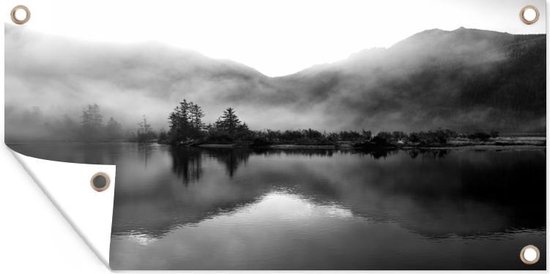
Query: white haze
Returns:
{"type": "Point", "coordinates": [276, 37]}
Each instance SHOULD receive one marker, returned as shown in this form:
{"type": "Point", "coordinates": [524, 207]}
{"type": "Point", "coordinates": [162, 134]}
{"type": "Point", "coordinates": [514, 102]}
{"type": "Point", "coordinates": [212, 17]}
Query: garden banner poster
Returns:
{"type": "Point", "coordinates": [286, 134]}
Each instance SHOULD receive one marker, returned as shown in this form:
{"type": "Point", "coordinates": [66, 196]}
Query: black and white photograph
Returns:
{"type": "Point", "coordinates": [299, 135]}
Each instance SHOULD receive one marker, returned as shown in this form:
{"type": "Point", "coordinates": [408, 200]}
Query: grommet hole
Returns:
{"type": "Point", "coordinates": [20, 14]}
{"type": "Point", "coordinates": [529, 14]}
{"type": "Point", "coordinates": [529, 254]}
{"type": "Point", "coordinates": [100, 182]}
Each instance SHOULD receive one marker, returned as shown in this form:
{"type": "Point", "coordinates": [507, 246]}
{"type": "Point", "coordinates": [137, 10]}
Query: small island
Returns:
{"type": "Point", "coordinates": [188, 129]}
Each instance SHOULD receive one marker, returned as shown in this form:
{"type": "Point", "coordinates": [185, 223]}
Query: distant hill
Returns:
{"type": "Point", "coordinates": [465, 80]}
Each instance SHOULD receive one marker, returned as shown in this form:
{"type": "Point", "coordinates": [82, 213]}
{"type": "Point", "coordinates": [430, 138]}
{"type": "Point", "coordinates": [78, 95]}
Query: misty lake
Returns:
{"type": "Point", "coordinates": [188, 208]}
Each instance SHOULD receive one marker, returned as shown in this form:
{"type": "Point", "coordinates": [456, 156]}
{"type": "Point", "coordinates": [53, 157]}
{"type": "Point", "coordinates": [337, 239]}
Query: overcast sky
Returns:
{"type": "Point", "coordinates": [276, 37]}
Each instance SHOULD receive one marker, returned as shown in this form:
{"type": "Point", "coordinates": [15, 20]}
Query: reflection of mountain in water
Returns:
{"type": "Point", "coordinates": [433, 192]}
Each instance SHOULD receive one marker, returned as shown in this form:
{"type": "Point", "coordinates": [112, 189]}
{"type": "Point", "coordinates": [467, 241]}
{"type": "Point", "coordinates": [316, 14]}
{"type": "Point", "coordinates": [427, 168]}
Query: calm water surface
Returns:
{"type": "Point", "coordinates": [241, 209]}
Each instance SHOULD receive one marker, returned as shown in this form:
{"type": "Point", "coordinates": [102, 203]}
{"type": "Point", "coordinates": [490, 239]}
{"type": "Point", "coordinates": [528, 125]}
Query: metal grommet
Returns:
{"type": "Point", "coordinates": [100, 181]}
{"type": "Point", "coordinates": [529, 254]}
{"type": "Point", "coordinates": [529, 21]}
{"type": "Point", "coordinates": [14, 14]}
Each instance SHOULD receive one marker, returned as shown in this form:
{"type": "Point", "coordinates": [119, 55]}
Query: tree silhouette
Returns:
{"type": "Point", "coordinates": [196, 119]}
{"type": "Point", "coordinates": [228, 121]}
{"type": "Point", "coordinates": [113, 129]}
{"type": "Point", "coordinates": [145, 132]}
{"type": "Point", "coordinates": [186, 122]}
{"type": "Point", "coordinates": [92, 122]}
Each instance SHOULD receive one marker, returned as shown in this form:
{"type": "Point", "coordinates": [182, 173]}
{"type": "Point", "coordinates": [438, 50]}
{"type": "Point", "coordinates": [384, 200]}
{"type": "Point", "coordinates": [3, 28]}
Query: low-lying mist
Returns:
{"type": "Point", "coordinates": [465, 80]}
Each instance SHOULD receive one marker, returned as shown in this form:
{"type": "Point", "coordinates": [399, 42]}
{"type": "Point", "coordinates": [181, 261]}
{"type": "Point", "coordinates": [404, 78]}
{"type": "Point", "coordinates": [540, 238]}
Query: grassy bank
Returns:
{"type": "Point", "coordinates": [451, 143]}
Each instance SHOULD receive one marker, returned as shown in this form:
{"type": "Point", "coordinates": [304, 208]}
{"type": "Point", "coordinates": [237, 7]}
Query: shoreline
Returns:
{"type": "Point", "coordinates": [498, 143]}
{"type": "Point", "coordinates": [335, 147]}
{"type": "Point", "coordinates": [455, 143]}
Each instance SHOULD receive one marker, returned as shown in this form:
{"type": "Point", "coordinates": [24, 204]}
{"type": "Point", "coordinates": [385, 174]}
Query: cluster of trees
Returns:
{"type": "Point", "coordinates": [90, 126]}
{"type": "Point", "coordinates": [437, 137]}
{"type": "Point", "coordinates": [185, 123]}
{"type": "Point", "coordinates": [187, 128]}
{"type": "Point", "coordinates": [144, 132]}
{"type": "Point", "coordinates": [424, 138]}
{"type": "Point", "coordinates": [228, 128]}
{"type": "Point", "coordinates": [93, 129]}
{"type": "Point", "coordinates": [307, 137]}
{"type": "Point", "coordinates": [363, 138]}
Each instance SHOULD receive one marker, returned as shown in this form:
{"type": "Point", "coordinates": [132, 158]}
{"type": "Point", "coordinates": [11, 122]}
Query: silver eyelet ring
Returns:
{"type": "Point", "coordinates": [100, 182]}
{"type": "Point", "coordinates": [525, 9]}
{"type": "Point", "coordinates": [20, 21]}
{"type": "Point", "coordinates": [529, 261]}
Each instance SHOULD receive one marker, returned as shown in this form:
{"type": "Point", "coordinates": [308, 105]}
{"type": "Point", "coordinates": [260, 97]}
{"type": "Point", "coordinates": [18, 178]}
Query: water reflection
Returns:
{"type": "Point", "coordinates": [230, 158]}
{"type": "Point", "coordinates": [187, 160]}
{"type": "Point", "coordinates": [186, 163]}
{"type": "Point", "coordinates": [144, 151]}
{"type": "Point", "coordinates": [320, 208]}
{"type": "Point", "coordinates": [433, 153]}
{"type": "Point", "coordinates": [481, 187]}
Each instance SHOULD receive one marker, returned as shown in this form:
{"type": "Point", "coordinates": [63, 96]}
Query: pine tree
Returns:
{"type": "Point", "coordinates": [114, 129]}
{"type": "Point", "coordinates": [186, 122]}
{"type": "Point", "coordinates": [229, 121]}
{"type": "Point", "coordinates": [92, 122]}
{"type": "Point", "coordinates": [145, 132]}
{"type": "Point", "coordinates": [196, 119]}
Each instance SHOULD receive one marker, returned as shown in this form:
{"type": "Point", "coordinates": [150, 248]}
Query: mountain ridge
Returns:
{"type": "Point", "coordinates": [465, 80]}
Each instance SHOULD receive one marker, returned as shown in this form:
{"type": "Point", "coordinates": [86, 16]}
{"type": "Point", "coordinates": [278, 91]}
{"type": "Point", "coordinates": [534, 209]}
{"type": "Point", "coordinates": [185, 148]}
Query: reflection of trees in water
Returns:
{"type": "Point", "coordinates": [374, 154]}
{"type": "Point", "coordinates": [186, 163]}
{"type": "Point", "coordinates": [230, 158]}
{"type": "Point", "coordinates": [413, 153]}
{"type": "Point", "coordinates": [381, 153]}
{"type": "Point", "coordinates": [145, 150]}
{"type": "Point", "coordinates": [476, 185]}
{"type": "Point", "coordinates": [429, 153]}
{"type": "Point", "coordinates": [305, 152]}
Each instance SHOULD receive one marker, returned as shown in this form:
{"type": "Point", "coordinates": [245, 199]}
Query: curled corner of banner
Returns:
{"type": "Point", "coordinates": [68, 186]}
